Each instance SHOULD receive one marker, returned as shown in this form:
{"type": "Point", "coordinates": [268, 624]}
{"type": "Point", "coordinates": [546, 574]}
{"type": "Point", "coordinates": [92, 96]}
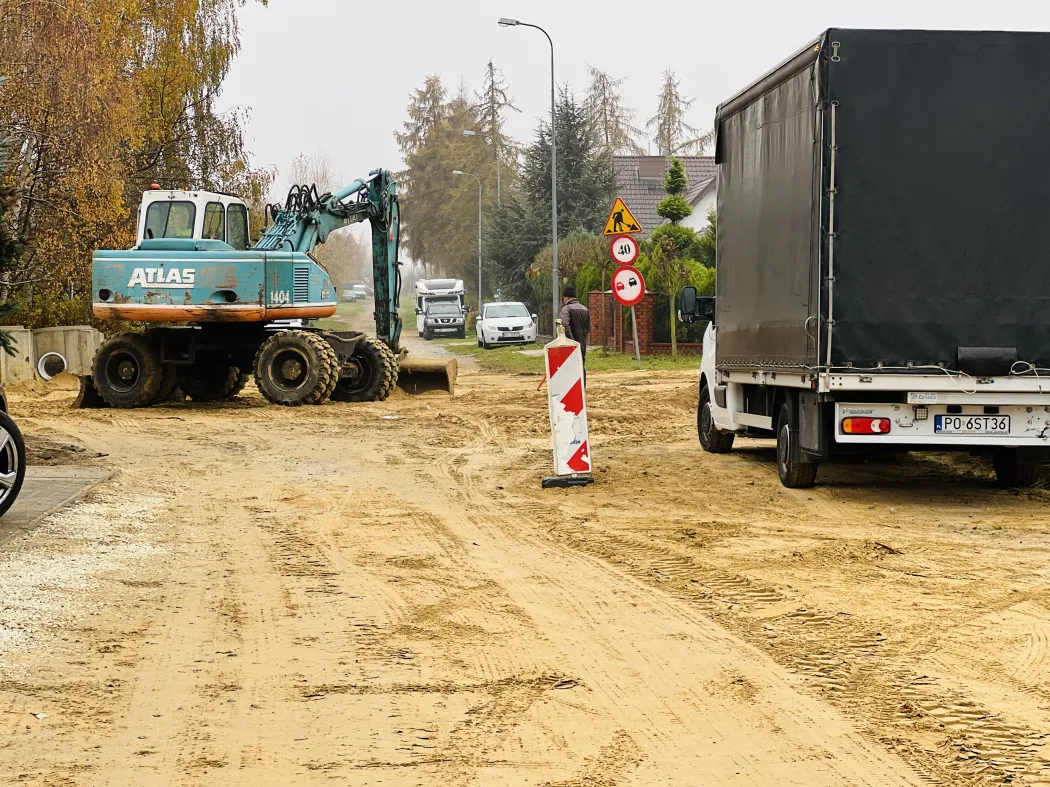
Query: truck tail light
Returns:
{"type": "Point", "coordinates": [865, 425]}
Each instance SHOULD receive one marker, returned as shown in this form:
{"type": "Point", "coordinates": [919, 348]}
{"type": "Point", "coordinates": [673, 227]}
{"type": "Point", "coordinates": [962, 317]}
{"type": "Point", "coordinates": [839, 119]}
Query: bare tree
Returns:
{"type": "Point", "coordinates": [317, 169]}
{"type": "Point", "coordinates": [672, 134]}
{"type": "Point", "coordinates": [610, 117]}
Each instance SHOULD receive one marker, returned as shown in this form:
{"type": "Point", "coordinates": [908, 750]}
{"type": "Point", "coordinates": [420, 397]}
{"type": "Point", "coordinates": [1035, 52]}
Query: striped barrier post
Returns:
{"type": "Point", "coordinates": [567, 403]}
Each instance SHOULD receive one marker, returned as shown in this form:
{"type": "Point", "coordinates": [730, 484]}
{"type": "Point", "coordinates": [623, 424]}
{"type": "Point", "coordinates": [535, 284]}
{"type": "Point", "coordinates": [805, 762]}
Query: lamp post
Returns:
{"type": "Point", "coordinates": [461, 172]}
{"type": "Point", "coordinates": [499, 189]}
{"type": "Point", "coordinates": [504, 22]}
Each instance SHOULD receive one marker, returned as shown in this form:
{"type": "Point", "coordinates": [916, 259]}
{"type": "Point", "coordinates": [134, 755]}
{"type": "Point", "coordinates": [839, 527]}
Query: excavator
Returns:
{"type": "Point", "coordinates": [219, 312]}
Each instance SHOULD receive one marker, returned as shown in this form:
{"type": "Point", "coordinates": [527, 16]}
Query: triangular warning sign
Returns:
{"type": "Point", "coordinates": [621, 221]}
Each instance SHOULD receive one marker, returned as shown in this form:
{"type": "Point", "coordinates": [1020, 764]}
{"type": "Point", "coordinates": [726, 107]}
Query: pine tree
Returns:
{"type": "Point", "coordinates": [610, 117]}
{"type": "Point", "coordinates": [672, 134]}
{"type": "Point", "coordinates": [672, 273]}
{"type": "Point", "coordinates": [491, 106]}
{"type": "Point", "coordinates": [585, 175]}
{"type": "Point", "coordinates": [673, 207]}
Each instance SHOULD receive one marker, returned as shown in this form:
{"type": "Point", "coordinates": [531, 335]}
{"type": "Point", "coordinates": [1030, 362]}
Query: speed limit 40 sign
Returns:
{"type": "Point", "coordinates": [624, 249]}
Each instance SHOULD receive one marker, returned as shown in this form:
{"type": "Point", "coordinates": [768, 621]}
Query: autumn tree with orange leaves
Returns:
{"type": "Point", "coordinates": [100, 98]}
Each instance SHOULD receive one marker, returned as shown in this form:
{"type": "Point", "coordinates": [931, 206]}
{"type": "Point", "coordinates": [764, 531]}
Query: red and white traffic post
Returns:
{"type": "Point", "coordinates": [567, 403]}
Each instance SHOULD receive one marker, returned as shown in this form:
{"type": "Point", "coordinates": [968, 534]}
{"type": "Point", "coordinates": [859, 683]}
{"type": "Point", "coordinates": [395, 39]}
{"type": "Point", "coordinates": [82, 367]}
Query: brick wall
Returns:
{"type": "Point", "coordinates": [609, 327]}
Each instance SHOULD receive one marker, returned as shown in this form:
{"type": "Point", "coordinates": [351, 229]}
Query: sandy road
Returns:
{"type": "Point", "coordinates": [273, 597]}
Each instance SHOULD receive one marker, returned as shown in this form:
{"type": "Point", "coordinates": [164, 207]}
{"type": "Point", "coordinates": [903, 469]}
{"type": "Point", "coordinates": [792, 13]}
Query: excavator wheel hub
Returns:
{"type": "Point", "coordinates": [292, 371]}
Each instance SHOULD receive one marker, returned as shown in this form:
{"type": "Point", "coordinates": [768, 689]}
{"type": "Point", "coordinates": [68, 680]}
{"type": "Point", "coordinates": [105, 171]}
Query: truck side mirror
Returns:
{"type": "Point", "coordinates": [687, 305]}
{"type": "Point", "coordinates": [419, 311]}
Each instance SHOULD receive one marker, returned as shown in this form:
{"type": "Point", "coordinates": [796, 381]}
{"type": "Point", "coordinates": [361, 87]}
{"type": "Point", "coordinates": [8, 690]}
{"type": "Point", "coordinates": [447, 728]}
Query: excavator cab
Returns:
{"type": "Point", "coordinates": [193, 215]}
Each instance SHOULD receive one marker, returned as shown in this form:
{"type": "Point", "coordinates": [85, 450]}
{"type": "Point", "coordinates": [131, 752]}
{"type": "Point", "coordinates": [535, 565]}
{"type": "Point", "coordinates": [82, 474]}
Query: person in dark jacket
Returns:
{"type": "Point", "coordinates": [576, 320]}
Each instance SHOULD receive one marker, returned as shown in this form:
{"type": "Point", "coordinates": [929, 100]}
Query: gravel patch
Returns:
{"type": "Point", "coordinates": [45, 574]}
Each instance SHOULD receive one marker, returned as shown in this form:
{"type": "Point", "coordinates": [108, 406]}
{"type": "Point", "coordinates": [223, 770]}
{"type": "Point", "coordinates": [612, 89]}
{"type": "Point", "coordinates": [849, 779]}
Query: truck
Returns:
{"type": "Point", "coordinates": [882, 235]}
{"type": "Point", "coordinates": [430, 291]}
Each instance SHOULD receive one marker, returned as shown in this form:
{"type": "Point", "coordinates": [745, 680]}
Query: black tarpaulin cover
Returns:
{"type": "Point", "coordinates": [942, 202]}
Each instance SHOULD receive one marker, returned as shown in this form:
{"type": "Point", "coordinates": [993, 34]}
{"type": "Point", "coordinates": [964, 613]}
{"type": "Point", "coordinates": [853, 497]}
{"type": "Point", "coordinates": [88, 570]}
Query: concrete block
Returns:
{"type": "Point", "coordinates": [19, 368]}
{"type": "Point", "coordinates": [77, 343]}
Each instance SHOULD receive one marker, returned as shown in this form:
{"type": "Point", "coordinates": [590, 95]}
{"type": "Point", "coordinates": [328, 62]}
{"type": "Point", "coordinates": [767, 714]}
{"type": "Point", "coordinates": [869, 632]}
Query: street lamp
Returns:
{"type": "Point", "coordinates": [499, 190]}
{"type": "Point", "coordinates": [505, 22]}
{"type": "Point", "coordinates": [461, 172]}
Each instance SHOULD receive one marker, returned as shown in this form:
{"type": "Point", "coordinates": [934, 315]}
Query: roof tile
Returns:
{"type": "Point", "coordinates": [642, 194]}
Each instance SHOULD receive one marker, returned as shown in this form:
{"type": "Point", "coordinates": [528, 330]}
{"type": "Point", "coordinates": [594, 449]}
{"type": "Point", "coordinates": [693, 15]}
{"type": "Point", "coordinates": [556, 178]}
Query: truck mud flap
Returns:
{"type": "Point", "coordinates": [812, 432]}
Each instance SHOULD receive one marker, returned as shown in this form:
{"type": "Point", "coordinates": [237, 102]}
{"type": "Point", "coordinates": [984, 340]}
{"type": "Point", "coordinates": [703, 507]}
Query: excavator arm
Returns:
{"type": "Point", "coordinates": [307, 219]}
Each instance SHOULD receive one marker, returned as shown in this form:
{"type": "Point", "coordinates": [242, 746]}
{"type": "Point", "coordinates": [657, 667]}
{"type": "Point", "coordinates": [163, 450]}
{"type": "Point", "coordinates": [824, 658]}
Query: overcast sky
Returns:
{"type": "Point", "coordinates": [335, 75]}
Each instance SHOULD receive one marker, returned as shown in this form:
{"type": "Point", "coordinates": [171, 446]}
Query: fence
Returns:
{"type": "Point", "coordinates": [611, 326]}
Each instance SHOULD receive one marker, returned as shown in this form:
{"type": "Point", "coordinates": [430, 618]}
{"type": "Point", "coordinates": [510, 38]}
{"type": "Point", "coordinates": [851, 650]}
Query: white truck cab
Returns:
{"type": "Point", "coordinates": [200, 215]}
{"type": "Point", "coordinates": [430, 291]}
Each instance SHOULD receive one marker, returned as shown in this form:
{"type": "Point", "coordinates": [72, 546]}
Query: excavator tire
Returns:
{"type": "Point", "coordinates": [333, 372]}
{"type": "Point", "coordinates": [168, 384]}
{"type": "Point", "coordinates": [242, 381]}
{"type": "Point", "coordinates": [294, 368]}
{"type": "Point", "coordinates": [205, 383]}
{"type": "Point", "coordinates": [376, 373]}
{"type": "Point", "coordinates": [127, 371]}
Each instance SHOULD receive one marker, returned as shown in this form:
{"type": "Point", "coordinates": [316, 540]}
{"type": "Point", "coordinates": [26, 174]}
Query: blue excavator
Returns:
{"type": "Point", "coordinates": [219, 312]}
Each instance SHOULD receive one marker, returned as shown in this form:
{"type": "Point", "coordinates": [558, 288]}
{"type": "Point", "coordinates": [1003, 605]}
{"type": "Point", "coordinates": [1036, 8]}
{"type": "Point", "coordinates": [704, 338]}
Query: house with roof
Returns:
{"type": "Point", "coordinates": [704, 199]}
{"type": "Point", "coordinates": [640, 183]}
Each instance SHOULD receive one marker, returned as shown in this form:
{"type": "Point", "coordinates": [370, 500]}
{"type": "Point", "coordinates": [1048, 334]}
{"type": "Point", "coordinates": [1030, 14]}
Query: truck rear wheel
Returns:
{"type": "Point", "coordinates": [294, 368]}
{"type": "Point", "coordinates": [127, 371]}
{"type": "Point", "coordinates": [209, 382]}
{"type": "Point", "coordinates": [711, 440]}
{"type": "Point", "coordinates": [375, 373]}
{"type": "Point", "coordinates": [1011, 472]}
{"type": "Point", "coordinates": [793, 472]}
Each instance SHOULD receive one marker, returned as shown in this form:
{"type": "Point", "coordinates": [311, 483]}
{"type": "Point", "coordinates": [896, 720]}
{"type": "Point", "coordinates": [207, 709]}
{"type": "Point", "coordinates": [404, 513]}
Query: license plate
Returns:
{"type": "Point", "coordinates": [972, 424]}
{"type": "Point", "coordinates": [510, 336]}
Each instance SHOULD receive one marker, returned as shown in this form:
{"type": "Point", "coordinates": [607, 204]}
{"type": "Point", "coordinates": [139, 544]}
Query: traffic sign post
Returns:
{"type": "Point", "coordinates": [628, 286]}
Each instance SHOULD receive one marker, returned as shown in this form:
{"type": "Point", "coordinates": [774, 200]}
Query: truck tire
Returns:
{"type": "Point", "coordinates": [12, 462]}
{"type": "Point", "coordinates": [375, 373]}
{"type": "Point", "coordinates": [127, 371]}
{"type": "Point", "coordinates": [293, 368]}
{"type": "Point", "coordinates": [711, 440]}
{"type": "Point", "coordinates": [793, 472]}
{"type": "Point", "coordinates": [1011, 472]}
{"type": "Point", "coordinates": [208, 383]}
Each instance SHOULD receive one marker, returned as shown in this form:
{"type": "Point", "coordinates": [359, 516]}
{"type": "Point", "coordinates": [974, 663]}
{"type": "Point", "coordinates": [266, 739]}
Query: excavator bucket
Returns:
{"type": "Point", "coordinates": [419, 375]}
{"type": "Point", "coordinates": [89, 397]}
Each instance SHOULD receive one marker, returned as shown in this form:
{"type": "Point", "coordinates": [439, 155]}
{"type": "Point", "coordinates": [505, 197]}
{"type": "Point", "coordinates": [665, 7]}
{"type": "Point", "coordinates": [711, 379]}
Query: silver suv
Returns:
{"type": "Point", "coordinates": [444, 318]}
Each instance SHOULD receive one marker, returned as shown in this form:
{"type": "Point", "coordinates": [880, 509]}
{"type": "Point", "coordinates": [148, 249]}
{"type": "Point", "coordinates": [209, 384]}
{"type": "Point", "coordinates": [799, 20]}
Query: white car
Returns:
{"type": "Point", "coordinates": [505, 323]}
